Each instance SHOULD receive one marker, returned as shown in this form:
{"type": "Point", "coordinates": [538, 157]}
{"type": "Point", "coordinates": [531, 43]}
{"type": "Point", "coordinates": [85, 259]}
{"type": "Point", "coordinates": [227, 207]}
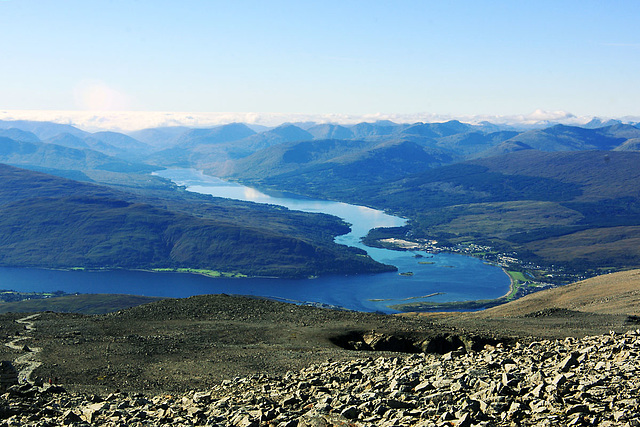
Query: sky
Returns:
{"type": "Point", "coordinates": [411, 59]}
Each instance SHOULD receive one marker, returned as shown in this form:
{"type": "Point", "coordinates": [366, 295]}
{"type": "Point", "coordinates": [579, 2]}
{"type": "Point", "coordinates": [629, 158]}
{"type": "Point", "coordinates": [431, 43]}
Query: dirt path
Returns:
{"type": "Point", "coordinates": [26, 363]}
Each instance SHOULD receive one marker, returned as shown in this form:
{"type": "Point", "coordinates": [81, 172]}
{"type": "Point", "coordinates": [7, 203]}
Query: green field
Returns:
{"type": "Point", "coordinates": [201, 271]}
{"type": "Point", "coordinates": [517, 276]}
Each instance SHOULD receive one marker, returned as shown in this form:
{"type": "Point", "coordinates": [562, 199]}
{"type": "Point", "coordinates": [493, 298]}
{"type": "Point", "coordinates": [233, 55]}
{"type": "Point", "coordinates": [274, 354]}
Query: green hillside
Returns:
{"type": "Point", "coordinates": [39, 154]}
{"type": "Point", "coordinates": [580, 209]}
{"type": "Point", "coordinates": [46, 221]}
{"type": "Point", "coordinates": [333, 168]}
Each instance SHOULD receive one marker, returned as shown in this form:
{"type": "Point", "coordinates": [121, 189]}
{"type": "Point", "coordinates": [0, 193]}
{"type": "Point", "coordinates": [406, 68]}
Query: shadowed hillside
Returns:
{"type": "Point", "coordinates": [46, 221]}
{"type": "Point", "coordinates": [579, 209]}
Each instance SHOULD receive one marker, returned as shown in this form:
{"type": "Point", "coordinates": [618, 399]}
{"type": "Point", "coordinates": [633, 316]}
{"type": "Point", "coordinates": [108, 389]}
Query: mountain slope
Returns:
{"type": "Point", "coordinates": [466, 145]}
{"type": "Point", "coordinates": [578, 209]}
{"type": "Point", "coordinates": [121, 141]}
{"type": "Point", "coordinates": [54, 156]}
{"type": "Point", "coordinates": [46, 221]}
{"type": "Point", "coordinates": [613, 294]}
{"type": "Point", "coordinates": [335, 167]}
{"type": "Point", "coordinates": [208, 151]}
{"type": "Point", "coordinates": [161, 137]}
{"type": "Point", "coordinates": [42, 130]}
{"type": "Point", "coordinates": [437, 130]}
{"type": "Point", "coordinates": [569, 138]}
{"type": "Point", "coordinates": [381, 128]}
{"type": "Point", "coordinates": [597, 305]}
{"type": "Point", "coordinates": [217, 135]}
{"type": "Point", "coordinates": [19, 135]}
{"type": "Point", "coordinates": [68, 140]}
{"type": "Point", "coordinates": [109, 143]}
{"type": "Point", "coordinates": [329, 131]}
{"type": "Point", "coordinates": [281, 134]}
{"type": "Point", "coordinates": [632, 144]}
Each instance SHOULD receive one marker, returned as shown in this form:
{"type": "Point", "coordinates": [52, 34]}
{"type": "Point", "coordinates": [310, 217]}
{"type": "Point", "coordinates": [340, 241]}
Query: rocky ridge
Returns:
{"type": "Point", "coordinates": [588, 381]}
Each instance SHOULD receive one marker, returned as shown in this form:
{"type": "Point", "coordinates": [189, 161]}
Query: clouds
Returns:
{"type": "Point", "coordinates": [134, 120]}
{"type": "Point", "coordinates": [540, 116]}
{"type": "Point", "coordinates": [95, 95]}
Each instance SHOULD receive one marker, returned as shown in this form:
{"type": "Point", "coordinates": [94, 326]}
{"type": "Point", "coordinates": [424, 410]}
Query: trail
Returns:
{"type": "Point", "coordinates": [26, 363]}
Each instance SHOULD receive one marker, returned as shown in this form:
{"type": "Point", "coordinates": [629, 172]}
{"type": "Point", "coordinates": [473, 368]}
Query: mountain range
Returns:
{"type": "Point", "coordinates": [223, 149]}
{"type": "Point", "coordinates": [558, 186]}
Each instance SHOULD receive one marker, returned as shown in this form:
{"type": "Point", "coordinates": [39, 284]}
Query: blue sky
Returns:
{"type": "Point", "coordinates": [328, 57]}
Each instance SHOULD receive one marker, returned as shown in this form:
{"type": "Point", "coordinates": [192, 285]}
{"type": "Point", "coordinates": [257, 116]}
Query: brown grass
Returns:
{"type": "Point", "coordinates": [615, 294]}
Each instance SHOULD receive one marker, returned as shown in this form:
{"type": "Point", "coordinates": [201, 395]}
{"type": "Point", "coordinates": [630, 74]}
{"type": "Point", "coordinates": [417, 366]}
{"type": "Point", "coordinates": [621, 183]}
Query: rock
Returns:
{"type": "Point", "coordinates": [350, 413]}
{"type": "Point", "coordinates": [463, 421]}
{"type": "Point", "coordinates": [70, 417]}
{"type": "Point", "coordinates": [289, 400]}
{"type": "Point", "coordinates": [202, 397]}
{"type": "Point", "coordinates": [596, 381]}
{"type": "Point", "coordinates": [569, 362]}
{"type": "Point", "coordinates": [90, 412]}
{"type": "Point", "coordinates": [8, 375]}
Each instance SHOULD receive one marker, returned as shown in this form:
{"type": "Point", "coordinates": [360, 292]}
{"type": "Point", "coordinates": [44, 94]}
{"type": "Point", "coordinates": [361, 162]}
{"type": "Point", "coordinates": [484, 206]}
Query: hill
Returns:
{"type": "Point", "coordinates": [48, 222]}
{"type": "Point", "coordinates": [19, 135]}
{"type": "Point", "coordinates": [437, 130]}
{"type": "Point", "coordinates": [53, 156]}
{"type": "Point", "coordinates": [632, 144]}
{"type": "Point", "coordinates": [81, 303]}
{"type": "Point", "coordinates": [122, 142]}
{"type": "Point", "coordinates": [332, 168]}
{"type": "Point", "coordinates": [384, 151]}
{"type": "Point", "coordinates": [109, 143]}
{"type": "Point", "coordinates": [570, 138]}
{"type": "Point", "coordinates": [593, 306]}
{"type": "Point", "coordinates": [176, 345]}
{"type": "Point", "coordinates": [42, 130]}
{"type": "Point", "coordinates": [381, 128]}
{"type": "Point", "coordinates": [240, 361]}
{"type": "Point", "coordinates": [207, 149]}
{"type": "Point", "coordinates": [329, 131]}
{"type": "Point", "coordinates": [161, 137]}
{"type": "Point", "coordinates": [616, 294]}
{"type": "Point", "coordinates": [467, 145]}
{"type": "Point", "coordinates": [577, 209]}
{"type": "Point", "coordinates": [217, 135]}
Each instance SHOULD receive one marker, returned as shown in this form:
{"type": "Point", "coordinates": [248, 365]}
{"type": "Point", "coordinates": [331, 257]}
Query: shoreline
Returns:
{"type": "Point", "coordinates": [512, 284]}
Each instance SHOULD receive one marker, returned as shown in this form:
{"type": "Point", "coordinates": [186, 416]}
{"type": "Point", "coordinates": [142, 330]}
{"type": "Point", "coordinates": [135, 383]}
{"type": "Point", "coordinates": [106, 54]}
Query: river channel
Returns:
{"type": "Point", "coordinates": [442, 277]}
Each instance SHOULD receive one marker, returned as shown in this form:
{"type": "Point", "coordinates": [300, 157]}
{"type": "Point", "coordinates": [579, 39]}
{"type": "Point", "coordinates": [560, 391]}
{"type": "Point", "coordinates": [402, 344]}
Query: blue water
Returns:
{"type": "Point", "coordinates": [456, 277]}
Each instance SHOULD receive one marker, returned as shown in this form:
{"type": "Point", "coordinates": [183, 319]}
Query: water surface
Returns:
{"type": "Point", "coordinates": [451, 277]}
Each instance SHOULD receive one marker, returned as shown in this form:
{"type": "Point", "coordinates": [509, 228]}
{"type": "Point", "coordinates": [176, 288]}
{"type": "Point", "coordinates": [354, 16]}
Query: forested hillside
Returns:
{"type": "Point", "coordinates": [580, 209]}
{"type": "Point", "coordinates": [47, 221]}
{"type": "Point", "coordinates": [555, 194]}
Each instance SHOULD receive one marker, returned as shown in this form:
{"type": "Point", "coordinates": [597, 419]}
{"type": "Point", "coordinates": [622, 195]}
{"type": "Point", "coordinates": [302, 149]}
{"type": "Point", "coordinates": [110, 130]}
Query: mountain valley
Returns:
{"type": "Point", "coordinates": [559, 198]}
{"type": "Point", "coordinates": [560, 194]}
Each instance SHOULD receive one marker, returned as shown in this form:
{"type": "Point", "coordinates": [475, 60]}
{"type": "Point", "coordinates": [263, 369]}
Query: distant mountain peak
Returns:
{"type": "Point", "coordinates": [597, 122]}
{"type": "Point", "coordinates": [291, 132]}
{"type": "Point", "coordinates": [217, 135]}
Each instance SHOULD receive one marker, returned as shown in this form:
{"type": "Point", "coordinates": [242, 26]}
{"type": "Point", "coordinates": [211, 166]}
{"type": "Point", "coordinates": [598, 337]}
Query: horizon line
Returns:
{"type": "Point", "coordinates": [128, 121]}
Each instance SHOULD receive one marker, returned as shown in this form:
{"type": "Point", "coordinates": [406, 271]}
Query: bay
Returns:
{"type": "Point", "coordinates": [448, 277]}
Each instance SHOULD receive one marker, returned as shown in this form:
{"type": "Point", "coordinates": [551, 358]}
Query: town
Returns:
{"type": "Point", "coordinates": [526, 277]}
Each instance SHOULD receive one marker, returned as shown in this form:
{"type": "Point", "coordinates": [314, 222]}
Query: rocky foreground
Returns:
{"type": "Point", "coordinates": [589, 381]}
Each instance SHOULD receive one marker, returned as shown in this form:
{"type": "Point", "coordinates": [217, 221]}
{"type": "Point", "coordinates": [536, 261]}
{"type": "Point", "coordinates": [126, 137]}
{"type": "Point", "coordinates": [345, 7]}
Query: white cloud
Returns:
{"type": "Point", "coordinates": [134, 120]}
{"type": "Point", "coordinates": [541, 115]}
{"type": "Point", "coordinates": [95, 95]}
